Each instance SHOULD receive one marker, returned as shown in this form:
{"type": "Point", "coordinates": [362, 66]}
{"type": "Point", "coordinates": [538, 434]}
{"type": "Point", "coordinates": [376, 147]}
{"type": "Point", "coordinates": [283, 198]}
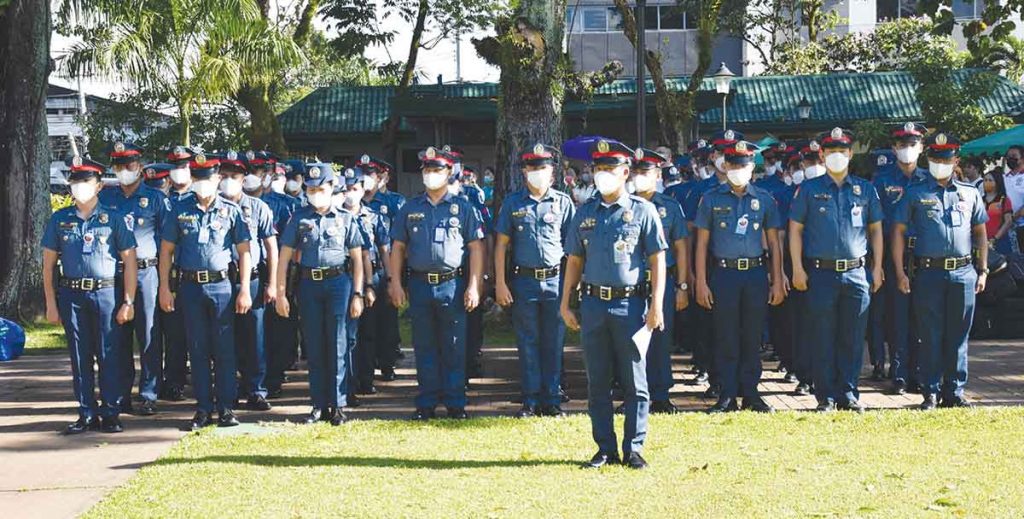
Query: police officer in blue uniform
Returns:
{"type": "Point", "coordinates": [434, 235]}
{"type": "Point", "coordinates": [172, 322]}
{"type": "Point", "coordinates": [647, 169]}
{"type": "Point", "coordinates": [250, 339]}
{"type": "Point", "coordinates": [157, 176]}
{"type": "Point", "coordinates": [947, 216]}
{"type": "Point", "coordinates": [199, 234]}
{"type": "Point", "coordinates": [733, 220]}
{"type": "Point", "coordinates": [892, 183]}
{"type": "Point", "coordinates": [805, 157]}
{"type": "Point", "coordinates": [89, 239]}
{"type": "Point", "coordinates": [283, 332]}
{"type": "Point", "coordinates": [533, 222]}
{"type": "Point", "coordinates": [831, 220]}
{"type": "Point", "coordinates": [330, 290]}
{"type": "Point", "coordinates": [876, 312]}
{"type": "Point", "coordinates": [612, 238]}
{"type": "Point", "coordinates": [145, 209]}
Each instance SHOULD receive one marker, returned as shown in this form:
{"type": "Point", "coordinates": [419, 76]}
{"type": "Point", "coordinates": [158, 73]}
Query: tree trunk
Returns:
{"type": "Point", "coordinates": [264, 130]}
{"type": "Point", "coordinates": [394, 121]}
{"type": "Point", "coordinates": [24, 154]}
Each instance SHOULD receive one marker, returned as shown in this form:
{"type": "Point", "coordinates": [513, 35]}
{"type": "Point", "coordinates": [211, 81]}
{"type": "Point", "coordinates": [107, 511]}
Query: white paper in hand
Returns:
{"type": "Point", "coordinates": [642, 339]}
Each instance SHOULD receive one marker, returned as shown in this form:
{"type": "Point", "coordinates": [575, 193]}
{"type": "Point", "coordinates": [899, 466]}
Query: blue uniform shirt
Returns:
{"type": "Point", "coordinates": [892, 185]}
{"type": "Point", "coordinates": [476, 197]}
{"type": "Point", "coordinates": [88, 248]}
{"type": "Point", "coordinates": [204, 240]}
{"type": "Point", "coordinates": [537, 228]}
{"type": "Point", "coordinates": [695, 193]}
{"type": "Point", "coordinates": [259, 219]}
{"type": "Point", "coordinates": [673, 223]}
{"type": "Point", "coordinates": [282, 207]}
{"type": "Point", "coordinates": [173, 197]}
{"type": "Point", "coordinates": [836, 218]}
{"type": "Point", "coordinates": [615, 240]}
{"type": "Point", "coordinates": [941, 217]}
{"type": "Point", "coordinates": [436, 236]}
{"type": "Point", "coordinates": [374, 230]}
{"type": "Point", "coordinates": [145, 210]}
{"type": "Point", "coordinates": [737, 223]}
{"type": "Point", "coordinates": [782, 193]}
{"type": "Point", "coordinates": [323, 240]}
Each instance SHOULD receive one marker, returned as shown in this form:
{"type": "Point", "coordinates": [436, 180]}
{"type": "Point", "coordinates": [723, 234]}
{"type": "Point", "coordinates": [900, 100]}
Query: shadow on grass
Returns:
{"type": "Point", "coordinates": [355, 461]}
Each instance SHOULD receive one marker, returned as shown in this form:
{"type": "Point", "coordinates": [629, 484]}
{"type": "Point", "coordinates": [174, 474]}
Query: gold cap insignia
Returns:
{"type": "Point", "coordinates": [639, 154]}
{"type": "Point", "coordinates": [314, 172]}
{"type": "Point", "coordinates": [118, 147]}
{"type": "Point", "coordinates": [365, 159]}
{"type": "Point", "coordinates": [200, 159]}
{"type": "Point", "coordinates": [538, 149]}
{"type": "Point", "coordinates": [430, 153]}
{"type": "Point", "coordinates": [940, 139]}
{"type": "Point", "coordinates": [741, 146]}
{"type": "Point", "coordinates": [76, 161]}
{"type": "Point", "coordinates": [602, 146]}
{"type": "Point", "coordinates": [814, 146]}
{"type": "Point", "coordinates": [837, 133]}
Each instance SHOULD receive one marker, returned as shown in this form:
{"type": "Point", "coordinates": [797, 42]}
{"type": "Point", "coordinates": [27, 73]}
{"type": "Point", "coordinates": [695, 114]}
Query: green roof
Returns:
{"type": "Point", "coordinates": [765, 100]}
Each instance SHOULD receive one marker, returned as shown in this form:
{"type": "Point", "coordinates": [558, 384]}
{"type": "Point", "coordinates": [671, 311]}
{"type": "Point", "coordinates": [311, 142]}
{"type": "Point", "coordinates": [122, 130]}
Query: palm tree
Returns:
{"type": "Point", "coordinates": [193, 52]}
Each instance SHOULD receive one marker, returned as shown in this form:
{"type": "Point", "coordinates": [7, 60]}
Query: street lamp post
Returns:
{"type": "Point", "coordinates": [723, 79]}
{"type": "Point", "coordinates": [641, 73]}
{"type": "Point", "coordinates": [803, 109]}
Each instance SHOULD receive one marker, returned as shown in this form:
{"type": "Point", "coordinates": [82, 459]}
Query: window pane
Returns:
{"type": "Point", "coordinates": [671, 18]}
{"type": "Point", "coordinates": [651, 18]}
{"type": "Point", "coordinates": [614, 19]}
{"type": "Point", "coordinates": [887, 10]}
{"type": "Point", "coordinates": [595, 19]}
{"type": "Point", "coordinates": [690, 17]}
{"type": "Point", "coordinates": [571, 25]}
{"type": "Point", "coordinates": [908, 8]}
{"type": "Point", "coordinates": [963, 9]}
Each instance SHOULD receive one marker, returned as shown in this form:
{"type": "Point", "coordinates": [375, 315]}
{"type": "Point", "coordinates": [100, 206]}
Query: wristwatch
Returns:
{"type": "Point", "coordinates": [983, 271]}
{"type": "Point", "coordinates": [357, 294]}
{"type": "Point", "coordinates": [683, 286]}
{"type": "Point", "coordinates": [129, 303]}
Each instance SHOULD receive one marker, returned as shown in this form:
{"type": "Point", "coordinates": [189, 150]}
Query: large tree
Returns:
{"type": "Point", "coordinates": [24, 153]}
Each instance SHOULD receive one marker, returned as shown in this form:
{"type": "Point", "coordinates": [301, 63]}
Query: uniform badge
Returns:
{"type": "Point", "coordinates": [856, 189]}
{"type": "Point", "coordinates": [414, 228]}
{"type": "Point", "coordinates": [223, 212]}
{"type": "Point", "coordinates": [103, 239]}
{"type": "Point", "coordinates": [519, 228]}
{"type": "Point", "coordinates": [638, 154]}
{"type": "Point", "coordinates": [549, 218]}
{"type": "Point", "coordinates": [538, 149]}
{"type": "Point", "coordinates": [620, 246]}
{"type": "Point", "coordinates": [454, 209]}
{"type": "Point", "coordinates": [961, 206]}
{"type": "Point", "coordinates": [365, 159]}
{"type": "Point", "coordinates": [430, 153]}
{"type": "Point", "coordinates": [104, 218]}
{"type": "Point", "coordinates": [741, 146]}
{"type": "Point", "coordinates": [118, 147]}
{"type": "Point", "coordinates": [627, 216]}
{"type": "Point", "coordinates": [129, 222]}
{"type": "Point", "coordinates": [200, 159]}
{"type": "Point", "coordinates": [757, 226]}
{"type": "Point", "coordinates": [179, 150]}
{"type": "Point", "coordinates": [729, 135]}
{"type": "Point", "coordinates": [314, 172]}
{"type": "Point", "coordinates": [247, 210]}
{"type": "Point", "coordinates": [76, 161]}
{"type": "Point", "coordinates": [250, 156]}
{"type": "Point", "coordinates": [722, 225]}
{"type": "Point", "coordinates": [755, 205]}
{"type": "Point", "coordinates": [331, 231]}
{"type": "Point", "coordinates": [702, 143]}
{"type": "Point", "coordinates": [814, 146]}
{"type": "Point", "coordinates": [940, 139]}
{"type": "Point", "coordinates": [383, 209]}
{"type": "Point", "coordinates": [141, 221]}
{"type": "Point", "coordinates": [882, 160]}
{"type": "Point", "coordinates": [215, 225]}
{"type": "Point", "coordinates": [144, 203]}
{"type": "Point", "coordinates": [837, 133]}
{"type": "Point", "coordinates": [909, 127]}
{"type": "Point", "coordinates": [662, 212]}
{"type": "Point", "coordinates": [88, 238]}
{"type": "Point", "coordinates": [602, 146]}
{"type": "Point", "coordinates": [65, 237]}
{"type": "Point", "coordinates": [453, 222]}
{"type": "Point", "coordinates": [232, 155]}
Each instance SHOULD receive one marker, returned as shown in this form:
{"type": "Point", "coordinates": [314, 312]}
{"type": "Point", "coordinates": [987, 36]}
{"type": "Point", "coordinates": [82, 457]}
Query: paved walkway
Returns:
{"type": "Point", "coordinates": [49, 475]}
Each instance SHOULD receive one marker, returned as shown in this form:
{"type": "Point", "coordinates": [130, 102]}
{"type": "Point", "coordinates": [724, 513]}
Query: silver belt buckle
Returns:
{"type": "Point", "coordinates": [316, 274]}
{"type": "Point", "coordinates": [743, 264]}
{"type": "Point", "coordinates": [842, 265]}
{"type": "Point", "coordinates": [202, 276]}
{"type": "Point", "coordinates": [87, 284]}
{"type": "Point", "coordinates": [539, 274]}
{"type": "Point", "coordinates": [604, 293]}
{"type": "Point", "coordinates": [433, 278]}
{"type": "Point", "coordinates": [949, 263]}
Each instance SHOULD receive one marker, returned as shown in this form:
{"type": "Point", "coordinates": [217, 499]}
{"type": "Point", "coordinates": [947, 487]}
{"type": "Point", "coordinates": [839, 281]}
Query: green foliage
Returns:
{"type": "Point", "coordinates": [58, 202]}
{"type": "Point", "coordinates": [871, 133]}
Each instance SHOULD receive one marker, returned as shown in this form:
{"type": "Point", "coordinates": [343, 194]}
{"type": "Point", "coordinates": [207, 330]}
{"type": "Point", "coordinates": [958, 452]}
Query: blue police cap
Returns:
{"type": "Point", "coordinates": [203, 166]}
{"type": "Point", "coordinates": [180, 155]}
{"type": "Point", "coordinates": [318, 173]}
{"type": "Point", "coordinates": [724, 138]}
{"type": "Point", "coordinates": [672, 173]}
{"type": "Point", "coordinates": [82, 168]}
{"type": "Point", "coordinates": [353, 175]}
{"type": "Point", "coordinates": [231, 161]}
{"type": "Point", "coordinates": [610, 153]}
{"type": "Point", "coordinates": [740, 152]}
{"type": "Point", "coordinates": [124, 152]}
{"type": "Point", "coordinates": [942, 145]}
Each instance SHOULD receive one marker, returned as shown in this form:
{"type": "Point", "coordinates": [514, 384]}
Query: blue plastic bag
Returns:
{"type": "Point", "coordinates": [12, 340]}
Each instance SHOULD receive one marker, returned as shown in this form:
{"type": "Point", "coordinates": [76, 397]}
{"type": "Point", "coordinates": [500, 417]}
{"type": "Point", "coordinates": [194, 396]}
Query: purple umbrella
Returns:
{"type": "Point", "coordinates": [579, 147]}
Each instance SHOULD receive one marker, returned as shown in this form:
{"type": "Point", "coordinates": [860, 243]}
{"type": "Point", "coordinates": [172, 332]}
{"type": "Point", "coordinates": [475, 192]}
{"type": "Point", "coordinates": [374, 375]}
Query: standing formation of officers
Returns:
{"type": "Point", "coordinates": [198, 253]}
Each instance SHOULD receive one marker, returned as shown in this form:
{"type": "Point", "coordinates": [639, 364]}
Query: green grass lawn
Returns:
{"type": "Point", "coordinates": [882, 464]}
{"type": "Point", "coordinates": [43, 338]}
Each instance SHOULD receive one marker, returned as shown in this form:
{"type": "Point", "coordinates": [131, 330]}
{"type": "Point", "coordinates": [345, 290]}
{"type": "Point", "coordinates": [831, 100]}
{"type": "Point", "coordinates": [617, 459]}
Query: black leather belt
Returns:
{"type": "Point", "coordinates": [942, 263]}
{"type": "Point", "coordinates": [146, 263]}
{"type": "Point", "coordinates": [204, 276]}
{"type": "Point", "coordinates": [85, 284]}
{"type": "Point", "coordinates": [740, 263]}
{"type": "Point", "coordinates": [540, 274]}
{"type": "Point", "coordinates": [608, 293]}
{"type": "Point", "coordinates": [839, 265]}
{"type": "Point", "coordinates": [435, 278]}
{"type": "Point", "coordinates": [322, 273]}
{"type": "Point", "coordinates": [376, 265]}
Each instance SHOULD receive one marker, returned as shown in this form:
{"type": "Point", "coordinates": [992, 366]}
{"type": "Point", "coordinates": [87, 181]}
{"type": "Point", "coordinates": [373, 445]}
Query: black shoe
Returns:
{"type": "Point", "coordinates": [353, 401]}
{"type": "Point", "coordinates": [83, 424]}
{"type": "Point", "coordinates": [899, 387]}
{"type": "Point", "coordinates": [327, 414]}
{"type": "Point", "coordinates": [368, 389]}
{"type": "Point", "coordinates": [315, 415]}
{"type": "Point", "coordinates": [399, 354]}
{"type": "Point", "coordinates": [176, 394]}
{"type": "Point", "coordinates": [423, 414]}
{"type": "Point", "coordinates": [148, 408]}
{"type": "Point", "coordinates": [126, 406]}
{"type": "Point", "coordinates": [274, 392]}
{"type": "Point", "coordinates": [563, 395]}
{"type": "Point", "coordinates": [257, 403]}
{"type": "Point", "coordinates": [527, 411]}
{"type": "Point", "coordinates": [634, 461]}
{"type": "Point", "coordinates": [663, 407]}
{"type": "Point", "coordinates": [929, 403]}
{"type": "Point", "coordinates": [552, 410]}
{"type": "Point", "coordinates": [757, 405]}
{"type": "Point", "coordinates": [200, 420]}
{"type": "Point", "coordinates": [713, 391]}
{"type": "Point", "coordinates": [915, 388]}
{"type": "Point", "coordinates": [724, 405]}
{"type": "Point", "coordinates": [457, 413]}
{"type": "Point", "coordinates": [387, 374]}
{"type": "Point", "coordinates": [789, 378]}
{"type": "Point", "coordinates": [702, 377]}
{"type": "Point", "coordinates": [601, 459]}
{"type": "Point", "coordinates": [852, 405]}
{"type": "Point", "coordinates": [825, 407]}
{"type": "Point", "coordinates": [802, 389]}
{"type": "Point", "coordinates": [878, 373]}
{"type": "Point", "coordinates": [338, 417]}
{"type": "Point", "coordinates": [227, 419]}
{"type": "Point", "coordinates": [621, 409]}
{"type": "Point", "coordinates": [111, 424]}
{"type": "Point", "coordinates": [956, 401]}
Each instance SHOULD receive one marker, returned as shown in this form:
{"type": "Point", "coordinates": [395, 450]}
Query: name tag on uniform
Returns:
{"type": "Point", "coordinates": [741, 225]}
{"type": "Point", "coordinates": [956, 217]}
{"type": "Point", "coordinates": [439, 233]}
{"type": "Point", "coordinates": [204, 235]}
{"type": "Point", "coordinates": [857, 215]}
{"type": "Point", "coordinates": [88, 243]}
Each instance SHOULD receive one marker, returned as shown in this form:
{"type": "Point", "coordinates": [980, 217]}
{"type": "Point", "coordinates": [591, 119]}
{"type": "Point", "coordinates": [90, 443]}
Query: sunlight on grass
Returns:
{"type": "Point", "coordinates": [44, 338]}
{"type": "Point", "coordinates": [885, 464]}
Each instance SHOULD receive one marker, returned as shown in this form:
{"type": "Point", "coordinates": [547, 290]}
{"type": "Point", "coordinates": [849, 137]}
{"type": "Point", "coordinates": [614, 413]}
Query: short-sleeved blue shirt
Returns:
{"type": "Point", "coordinates": [780, 191]}
{"type": "Point", "coordinates": [615, 239]}
{"type": "Point", "coordinates": [146, 210]}
{"type": "Point", "coordinates": [891, 184]}
{"type": "Point", "coordinates": [673, 223]}
{"type": "Point", "coordinates": [204, 240]}
{"type": "Point", "coordinates": [282, 207]}
{"type": "Point", "coordinates": [88, 248]}
{"type": "Point", "coordinates": [259, 218]}
{"type": "Point", "coordinates": [373, 227]}
{"type": "Point", "coordinates": [323, 240]}
{"type": "Point", "coordinates": [941, 217]}
{"type": "Point", "coordinates": [536, 228]}
{"type": "Point", "coordinates": [698, 190]}
{"type": "Point", "coordinates": [831, 213]}
{"type": "Point", "coordinates": [436, 236]}
{"type": "Point", "coordinates": [736, 223]}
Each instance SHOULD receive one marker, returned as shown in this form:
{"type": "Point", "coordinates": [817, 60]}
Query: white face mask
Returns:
{"type": "Point", "coordinates": [798, 177]}
{"type": "Point", "coordinates": [277, 185]}
{"type": "Point", "coordinates": [204, 188]}
{"type": "Point", "coordinates": [788, 180]}
{"type": "Point", "coordinates": [659, 186]}
{"type": "Point", "coordinates": [266, 181]}
{"type": "Point", "coordinates": [909, 154]}
{"type": "Point", "coordinates": [434, 181]}
{"type": "Point", "coordinates": [352, 198]}
{"type": "Point", "coordinates": [453, 189]}
{"type": "Point", "coordinates": [320, 199]}
{"type": "Point", "coordinates": [644, 183]}
{"type": "Point", "coordinates": [606, 182]}
{"type": "Point", "coordinates": [180, 176]}
{"type": "Point", "coordinates": [740, 177]}
{"type": "Point", "coordinates": [83, 192]}
{"type": "Point", "coordinates": [719, 163]}
{"type": "Point", "coordinates": [836, 162]}
{"type": "Point", "coordinates": [230, 187]}
{"type": "Point", "coordinates": [814, 171]}
{"type": "Point", "coordinates": [940, 171]}
{"type": "Point", "coordinates": [630, 188]}
{"type": "Point", "coordinates": [292, 186]}
{"type": "Point", "coordinates": [770, 170]}
{"type": "Point", "coordinates": [539, 179]}
{"type": "Point", "coordinates": [251, 182]}
{"type": "Point", "coordinates": [127, 177]}
{"type": "Point", "coordinates": [338, 200]}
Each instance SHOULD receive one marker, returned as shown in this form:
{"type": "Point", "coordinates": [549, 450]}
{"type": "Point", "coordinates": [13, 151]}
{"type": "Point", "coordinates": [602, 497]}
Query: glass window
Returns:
{"type": "Point", "coordinates": [690, 19]}
{"type": "Point", "coordinates": [963, 9]}
{"type": "Point", "coordinates": [671, 18]}
{"type": "Point", "coordinates": [571, 25]}
{"type": "Point", "coordinates": [595, 19]}
{"type": "Point", "coordinates": [651, 18]}
{"type": "Point", "coordinates": [908, 8]}
{"type": "Point", "coordinates": [614, 19]}
{"type": "Point", "coordinates": [887, 10]}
